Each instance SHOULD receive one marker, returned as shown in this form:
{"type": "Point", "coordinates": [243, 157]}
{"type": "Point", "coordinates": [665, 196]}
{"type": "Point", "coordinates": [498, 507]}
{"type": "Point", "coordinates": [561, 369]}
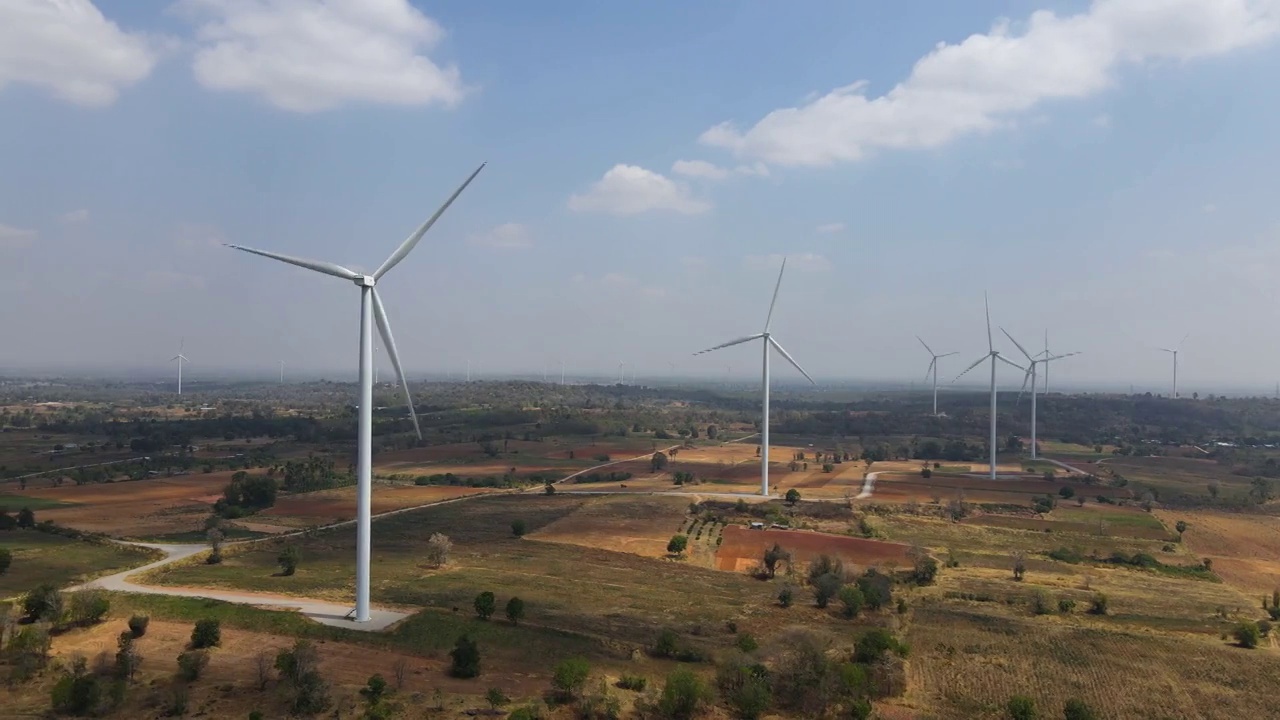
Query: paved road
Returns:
{"type": "Point", "coordinates": [868, 485]}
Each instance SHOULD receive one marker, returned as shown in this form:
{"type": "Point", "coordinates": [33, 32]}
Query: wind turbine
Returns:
{"type": "Point", "coordinates": [1174, 352]}
{"type": "Point", "coordinates": [933, 367]}
{"type": "Point", "coordinates": [181, 359]}
{"type": "Point", "coordinates": [993, 355]}
{"type": "Point", "coordinates": [1031, 375]}
{"type": "Point", "coordinates": [371, 310]}
{"type": "Point", "coordinates": [768, 342]}
{"type": "Point", "coordinates": [622, 372]}
{"type": "Point", "coordinates": [281, 372]}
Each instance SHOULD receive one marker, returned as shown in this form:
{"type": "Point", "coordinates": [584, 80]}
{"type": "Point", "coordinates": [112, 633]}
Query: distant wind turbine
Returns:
{"type": "Point", "coordinates": [622, 372]}
{"type": "Point", "coordinates": [769, 342]}
{"type": "Point", "coordinates": [1174, 352]}
{"type": "Point", "coordinates": [371, 310]}
{"type": "Point", "coordinates": [1031, 375]}
{"type": "Point", "coordinates": [562, 371]}
{"type": "Point", "coordinates": [933, 367]}
{"type": "Point", "coordinates": [281, 372]}
{"type": "Point", "coordinates": [181, 359]}
{"type": "Point", "coordinates": [993, 355]}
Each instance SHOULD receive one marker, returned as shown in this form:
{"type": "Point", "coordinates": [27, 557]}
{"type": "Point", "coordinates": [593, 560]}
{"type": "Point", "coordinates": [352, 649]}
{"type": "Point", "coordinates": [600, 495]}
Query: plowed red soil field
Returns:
{"type": "Point", "coordinates": [743, 548]}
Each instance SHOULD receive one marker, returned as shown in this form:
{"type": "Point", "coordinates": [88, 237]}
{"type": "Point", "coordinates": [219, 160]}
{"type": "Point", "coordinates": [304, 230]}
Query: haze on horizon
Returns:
{"type": "Point", "coordinates": [1103, 169]}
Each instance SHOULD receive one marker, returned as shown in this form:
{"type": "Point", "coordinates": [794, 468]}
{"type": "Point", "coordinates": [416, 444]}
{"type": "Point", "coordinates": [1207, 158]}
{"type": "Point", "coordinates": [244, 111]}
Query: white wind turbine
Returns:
{"type": "Point", "coordinates": [768, 341]}
{"type": "Point", "coordinates": [1031, 375]}
{"type": "Point", "coordinates": [1174, 352]}
{"type": "Point", "coordinates": [181, 359]}
{"type": "Point", "coordinates": [371, 310]}
{"type": "Point", "coordinates": [933, 368]}
{"type": "Point", "coordinates": [281, 372]}
{"type": "Point", "coordinates": [993, 355]}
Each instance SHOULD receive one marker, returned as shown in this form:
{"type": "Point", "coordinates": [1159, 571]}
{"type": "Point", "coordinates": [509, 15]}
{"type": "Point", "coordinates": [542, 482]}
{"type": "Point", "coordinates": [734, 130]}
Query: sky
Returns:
{"type": "Point", "coordinates": [1104, 170]}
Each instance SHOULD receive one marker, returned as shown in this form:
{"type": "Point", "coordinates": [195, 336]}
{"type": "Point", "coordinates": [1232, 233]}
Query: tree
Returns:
{"type": "Point", "coordinates": [1066, 492]}
{"type": "Point", "coordinates": [712, 432]}
{"type": "Point", "coordinates": [485, 603]}
{"type": "Point", "coordinates": [88, 607]}
{"type": "Point", "coordinates": [658, 462]}
{"type": "Point", "coordinates": [793, 496]}
{"type": "Point", "coordinates": [515, 610]}
{"type": "Point", "coordinates": [374, 690]}
{"type": "Point", "coordinates": [26, 518]}
{"type": "Point", "coordinates": [1098, 605]}
{"type": "Point", "coordinates": [745, 689]}
{"type": "Point", "coordinates": [1077, 709]}
{"type": "Point", "coordinates": [43, 603]}
{"type": "Point", "coordinates": [1019, 566]}
{"type": "Point", "coordinates": [773, 556]}
{"type": "Point", "coordinates": [1260, 491]}
{"type": "Point", "coordinates": [138, 625]}
{"type": "Point", "coordinates": [852, 599]}
{"type": "Point", "coordinates": [683, 695]}
{"type": "Point", "coordinates": [825, 587]}
{"type": "Point", "coordinates": [128, 660]}
{"type": "Point", "coordinates": [496, 698]}
{"type": "Point", "coordinates": [517, 528]}
{"type": "Point", "coordinates": [466, 658]}
{"type": "Point", "coordinates": [1181, 527]}
{"type": "Point", "coordinates": [439, 546]}
{"type": "Point", "coordinates": [192, 663]}
{"type": "Point", "coordinates": [785, 596]}
{"type": "Point", "coordinates": [206, 633]}
{"type": "Point", "coordinates": [1021, 707]}
{"type": "Point", "coordinates": [288, 560]}
{"type": "Point", "coordinates": [1214, 488]}
{"type": "Point", "coordinates": [1247, 634]}
{"type": "Point", "coordinates": [569, 677]}
{"type": "Point", "coordinates": [677, 544]}
{"type": "Point", "coordinates": [215, 537]}
{"type": "Point", "coordinates": [6, 559]}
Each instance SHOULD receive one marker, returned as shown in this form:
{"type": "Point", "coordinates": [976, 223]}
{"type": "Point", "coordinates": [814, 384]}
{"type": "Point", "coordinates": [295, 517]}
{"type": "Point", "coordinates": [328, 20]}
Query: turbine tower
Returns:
{"type": "Point", "coordinates": [181, 359]}
{"type": "Point", "coordinates": [1031, 375]}
{"type": "Point", "coordinates": [767, 337]}
{"type": "Point", "coordinates": [933, 367]}
{"type": "Point", "coordinates": [1174, 352]}
{"type": "Point", "coordinates": [281, 372]}
{"type": "Point", "coordinates": [993, 355]}
{"type": "Point", "coordinates": [371, 310]}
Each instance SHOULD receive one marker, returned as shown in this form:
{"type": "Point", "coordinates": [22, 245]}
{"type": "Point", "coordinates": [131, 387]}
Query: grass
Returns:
{"type": "Point", "coordinates": [230, 532]}
{"type": "Point", "coordinates": [1113, 518]}
{"type": "Point", "coordinates": [44, 558]}
{"type": "Point", "coordinates": [14, 503]}
{"type": "Point", "coordinates": [617, 601]}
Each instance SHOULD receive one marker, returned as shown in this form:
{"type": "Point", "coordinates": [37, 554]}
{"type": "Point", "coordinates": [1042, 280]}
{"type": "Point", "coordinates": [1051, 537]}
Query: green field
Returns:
{"type": "Point", "coordinates": [44, 558]}
{"type": "Point", "coordinates": [1113, 518]}
{"type": "Point", "coordinates": [14, 503]}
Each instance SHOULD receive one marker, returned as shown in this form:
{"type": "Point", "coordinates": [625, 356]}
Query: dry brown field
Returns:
{"type": "Point", "coordinates": [157, 506]}
{"type": "Point", "coordinates": [329, 506]}
{"type": "Point", "coordinates": [640, 526]}
{"type": "Point", "coordinates": [743, 548]}
{"type": "Point", "coordinates": [1245, 548]}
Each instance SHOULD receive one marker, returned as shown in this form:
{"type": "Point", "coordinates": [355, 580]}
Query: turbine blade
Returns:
{"type": "Point", "coordinates": [769, 318]}
{"type": "Point", "coordinates": [413, 239]}
{"type": "Point", "coordinates": [739, 341]}
{"type": "Point", "coordinates": [319, 266]}
{"type": "Point", "coordinates": [948, 354]}
{"type": "Point", "coordinates": [1025, 378]}
{"type": "Point", "coordinates": [975, 364]}
{"type": "Point", "coordinates": [987, 306]}
{"type": "Point", "coordinates": [175, 357]}
{"type": "Point", "coordinates": [790, 359]}
{"type": "Point", "coordinates": [932, 362]}
{"type": "Point", "coordinates": [926, 346]}
{"type": "Point", "coordinates": [389, 342]}
{"type": "Point", "coordinates": [1167, 350]}
{"type": "Point", "coordinates": [1009, 362]}
{"type": "Point", "coordinates": [1182, 341]}
{"type": "Point", "coordinates": [1059, 357]}
{"type": "Point", "coordinates": [1015, 342]}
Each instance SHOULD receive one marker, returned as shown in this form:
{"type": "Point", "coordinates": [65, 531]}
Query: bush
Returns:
{"type": "Point", "coordinates": [874, 644]}
{"type": "Point", "coordinates": [683, 695]}
{"type": "Point", "coordinates": [745, 689]}
{"type": "Point", "coordinates": [1264, 627]}
{"type": "Point", "coordinates": [43, 603]}
{"type": "Point", "coordinates": [206, 634]}
{"type": "Point", "coordinates": [466, 658]}
{"type": "Point", "coordinates": [138, 625]}
{"type": "Point", "coordinates": [374, 690]}
{"type": "Point", "coordinates": [877, 588]}
{"type": "Point", "coordinates": [495, 697]}
{"type": "Point", "coordinates": [569, 677]}
{"type": "Point", "coordinates": [192, 663]}
{"type": "Point", "coordinates": [76, 693]}
{"type": "Point", "coordinates": [852, 599]}
{"type": "Point", "coordinates": [632, 682]}
{"type": "Point", "coordinates": [1077, 709]}
{"type": "Point", "coordinates": [288, 560]}
{"type": "Point", "coordinates": [826, 587]}
{"type": "Point", "coordinates": [6, 559]}
{"type": "Point", "coordinates": [485, 603]}
{"type": "Point", "coordinates": [746, 643]}
{"type": "Point", "coordinates": [667, 645]}
{"type": "Point", "coordinates": [785, 597]}
{"type": "Point", "coordinates": [515, 610]}
{"type": "Point", "coordinates": [1247, 634]}
{"type": "Point", "coordinates": [677, 544]}
{"type": "Point", "coordinates": [518, 528]}
{"type": "Point", "coordinates": [1066, 605]}
{"type": "Point", "coordinates": [89, 607]}
{"type": "Point", "coordinates": [1021, 707]}
{"type": "Point", "coordinates": [1098, 605]}
{"type": "Point", "coordinates": [1040, 603]}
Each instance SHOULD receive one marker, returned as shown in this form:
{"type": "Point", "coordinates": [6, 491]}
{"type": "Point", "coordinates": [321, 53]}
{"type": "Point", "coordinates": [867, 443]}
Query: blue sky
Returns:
{"type": "Point", "coordinates": [1105, 170]}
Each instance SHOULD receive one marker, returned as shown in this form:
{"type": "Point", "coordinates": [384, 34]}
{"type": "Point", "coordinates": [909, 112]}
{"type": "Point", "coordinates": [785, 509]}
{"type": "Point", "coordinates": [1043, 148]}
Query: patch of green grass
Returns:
{"type": "Point", "coordinates": [14, 503]}
{"type": "Point", "coordinates": [1113, 518]}
{"type": "Point", "coordinates": [45, 558]}
{"type": "Point", "coordinates": [954, 469]}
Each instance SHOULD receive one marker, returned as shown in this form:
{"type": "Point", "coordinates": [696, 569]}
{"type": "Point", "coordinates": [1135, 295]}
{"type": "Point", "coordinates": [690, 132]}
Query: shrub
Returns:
{"type": "Point", "coordinates": [518, 528]}
{"type": "Point", "coordinates": [877, 588]}
{"type": "Point", "coordinates": [677, 544]}
{"type": "Point", "coordinates": [852, 599]}
{"type": "Point", "coordinates": [826, 587]}
{"type": "Point", "coordinates": [667, 645]}
{"type": "Point", "coordinates": [773, 556]}
{"type": "Point", "coordinates": [138, 625]}
{"type": "Point", "coordinates": [374, 690]}
{"type": "Point", "coordinates": [1021, 707]}
{"type": "Point", "coordinates": [683, 695]}
{"type": "Point", "coordinates": [793, 496]}
{"type": "Point", "coordinates": [439, 546]}
{"type": "Point", "coordinates": [1098, 605]}
{"type": "Point", "coordinates": [76, 693]}
{"type": "Point", "coordinates": [785, 597]}
{"type": "Point", "coordinates": [485, 603]}
{"type": "Point", "coordinates": [288, 560]}
{"type": "Point", "coordinates": [569, 677]}
{"type": "Point", "coordinates": [1264, 627]}
{"type": "Point", "coordinates": [6, 559]}
{"type": "Point", "coordinates": [746, 643]}
{"type": "Point", "coordinates": [515, 610]}
{"type": "Point", "coordinates": [632, 682]}
{"type": "Point", "coordinates": [1040, 603]}
{"type": "Point", "coordinates": [89, 607]}
{"type": "Point", "coordinates": [873, 645]}
{"type": "Point", "coordinates": [1077, 709]}
{"type": "Point", "coordinates": [43, 603]}
{"type": "Point", "coordinates": [1066, 605]}
{"type": "Point", "coordinates": [745, 689]}
{"type": "Point", "coordinates": [496, 698]}
{"type": "Point", "coordinates": [1247, 634]}
{"type": "Point", "coordinates": [1066, 492]}
{"type": "Point", "coordinates": [206, 634]}
{"type": "Point", "coordinates": [466, 658]}
{"type": "Point", "coordinates": [192, 663]}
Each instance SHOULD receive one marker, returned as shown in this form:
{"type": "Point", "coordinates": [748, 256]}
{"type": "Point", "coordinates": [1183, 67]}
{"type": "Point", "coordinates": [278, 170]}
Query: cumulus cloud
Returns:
{"type": "Point", "coordinates": [70, 49]}
{"type": "Point", "coordinates": [830, 228]}
{"type": "Point", "coordinates": [699, 169]}
{"type": "Point", "coordinates": [804, 262]}
{"type": "Point", "coordinates": [308, 55]}
{"type": "Point", "coordinates": [507, 236]}
{"type": "Point", "coordinates": [12, 238]}
{"type": "Point", "coordinates": [987, 80]}
{"type": "Point", "coordinates": [630, 190]}
{"type": "Point", "coordinates": [75, 217]}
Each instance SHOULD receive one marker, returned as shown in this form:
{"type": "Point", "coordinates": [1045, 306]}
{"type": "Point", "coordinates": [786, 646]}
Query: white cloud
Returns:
{"type": "Point", "coordinates": [75, 217]}
{"type": "Point", "coordinates": [507, 235]}
{"type": "Point", "coordinates": [699, 169]}
{"type": "Point", "coordinates": [69, 48]}
{"type": "Point", "coordinates": [985, 81]}
{"type": "Point", "coordinates": [830, 228]}
{"type": "Point", "coordinates": [805, 262]}
{"type": "Point", "coordinates": [12, 238]}
{"type": "Point", "coordinates": [758, 169]}
{"type": "Point", "coordinates": [307, 55]}
{"type": "Point", "coordinates": [630, 190]}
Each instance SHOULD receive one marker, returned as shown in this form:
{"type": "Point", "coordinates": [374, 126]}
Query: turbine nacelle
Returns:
{"type": "Point", "coordinates": [366, 281]}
